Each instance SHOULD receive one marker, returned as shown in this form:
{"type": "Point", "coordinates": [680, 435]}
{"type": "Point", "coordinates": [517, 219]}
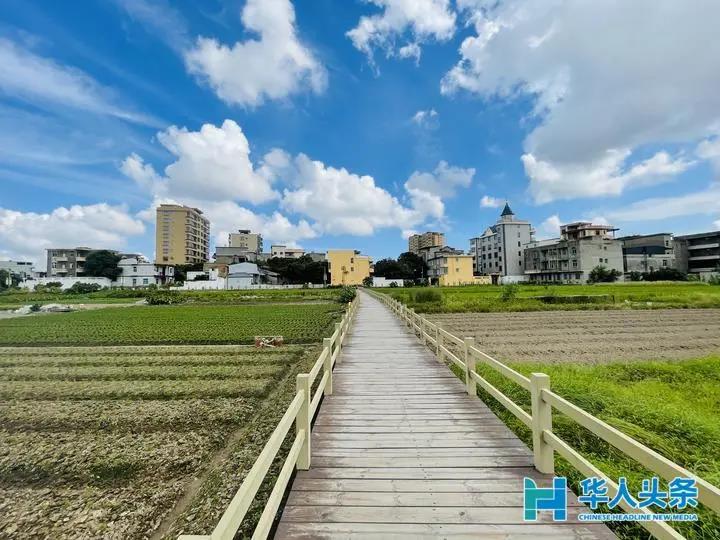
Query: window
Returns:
{"type": "Point", "coordinates": [135, 269]}
{"type": "Point", "coordinates": [519, 243]}
{"type": "Point", "coordinates": [519, 253]}
{"type": "Point", "coordinates": [601, 259]}
{"type": "Point", "coordinates": [145, 281]}
{"type": "Point", "coordinates": [665, 261]}
{"type": "Point", "coordinates": [134, 281]}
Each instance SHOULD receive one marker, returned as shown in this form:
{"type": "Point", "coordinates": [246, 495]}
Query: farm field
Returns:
{"type": "Point", "coordinates": [672, 407]}
{"type": "Point", "coordinates": [489, 298]}
{"type": "Point", "coordinates": [185, 323]}
{"type": "Point", "coordinates": [102, 441]}
{"type": "Point", "coordinates": [589, 336]}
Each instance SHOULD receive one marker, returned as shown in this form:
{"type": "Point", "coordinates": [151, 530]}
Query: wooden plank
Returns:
{"type": "Point", "coordinates": [402, 514]}
{"type": "Point", "coordinates": [430, 485]}
{"type": "Point", "coordinates": [431, 461]}
{"type": "Point", "coordinates": [369, 498]}
{"type": "Point", "coordinates": [412, 531]}
{"type": "Point", "coordinates": [435, 473]}
{"type": "Point", "coordinates": [460, 452]}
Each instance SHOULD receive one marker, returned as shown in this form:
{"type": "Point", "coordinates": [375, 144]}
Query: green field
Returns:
{"type": "Point", "coordinates": [186, 323]}
{"type": "Point", "coordinates": [107, 440]}
{"type": "Point", "coordinates": [14, 298]}
{"type": "Point", "coordinates": [489, 298]}
{"type": "Point", "coordinates": [671, 407]}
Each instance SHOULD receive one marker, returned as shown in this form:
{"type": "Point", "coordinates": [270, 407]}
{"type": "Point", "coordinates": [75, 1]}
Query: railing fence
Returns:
{"type": "Point", "coordinates": [300, 412]}
{"type": "Point", "coordinates": [543, 400]}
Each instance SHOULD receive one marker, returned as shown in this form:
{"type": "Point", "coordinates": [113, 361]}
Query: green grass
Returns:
{"type": "Point", "coordinates": [488, 298]}
{"type": "Point", "coordinates": [212, 324]}
{"type": "Point", "coordinates": [671, 407]}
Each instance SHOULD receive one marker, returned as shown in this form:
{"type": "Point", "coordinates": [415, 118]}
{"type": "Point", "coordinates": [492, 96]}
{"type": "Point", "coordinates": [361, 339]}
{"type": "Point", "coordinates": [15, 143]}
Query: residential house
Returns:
{"type": "Point", "coordinates": [347, 266]}
{"type": "Point", "coordinates": [569, 259]}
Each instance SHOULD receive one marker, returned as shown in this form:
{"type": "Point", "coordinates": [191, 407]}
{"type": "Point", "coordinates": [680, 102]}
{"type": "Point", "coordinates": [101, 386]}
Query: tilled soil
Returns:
{"type": "Point", "coordinates": [590, 336]}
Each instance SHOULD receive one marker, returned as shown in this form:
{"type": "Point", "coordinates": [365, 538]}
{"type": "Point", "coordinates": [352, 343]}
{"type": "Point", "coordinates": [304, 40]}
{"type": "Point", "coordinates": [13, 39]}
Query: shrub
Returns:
{"type": "Point", "coordinates": [714, 279]}
{"type": "Point", "coordinates": [509, 292]}
{"type": "Point", "coordinates": [426, 296]}
{"type": "Point", "coordinates": [393, 285]}
{"type": "Point", "coordinates": [368, 282]}
{"type": "Point", "coordinates": [347, 294]}
{"type": "Point", "coordinates": [161, 298]}
{"type": "Point", "coordinates": [83, 288]}
{"type": "Point", "coordinates": [665, 274]}
{"type": "Point", "coordinates": [635, 276]}
{"type": "Point", "coordinates": [601, 274]}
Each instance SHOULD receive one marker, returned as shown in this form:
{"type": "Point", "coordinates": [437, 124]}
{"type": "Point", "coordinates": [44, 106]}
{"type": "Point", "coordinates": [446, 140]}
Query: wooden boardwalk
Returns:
{"type": "Point", "coordinates": [399, 450]}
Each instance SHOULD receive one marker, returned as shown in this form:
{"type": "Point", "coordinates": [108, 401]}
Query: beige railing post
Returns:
{"type": "Point", "coordinates": [327, 364]}
{"type": "Point", "coordinates": [302, 421]}
{"type": "Point", "coordinates": [469, 367]}
{"type": "Point", "coordinates": [440, 343]}
{"type": "Point", "coordinates": [437, 340]}
{"type": "Point", "coordinates": [541, 421]}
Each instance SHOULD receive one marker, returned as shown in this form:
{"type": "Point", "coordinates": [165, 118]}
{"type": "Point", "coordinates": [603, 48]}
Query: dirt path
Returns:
{"type": "Point", "coordinates": [591, 336]}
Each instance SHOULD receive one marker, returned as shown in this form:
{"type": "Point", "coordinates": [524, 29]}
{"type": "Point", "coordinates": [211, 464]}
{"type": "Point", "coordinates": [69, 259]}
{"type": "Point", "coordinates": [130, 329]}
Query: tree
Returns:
{"type": "Point", "coordinates": [415, 267]}
{"type": "Point", "coordinates": [297, 271]}
{"type": "Point", "coordinates": [102, 263]}
{"type": "Point", "coordinates": [4, 279]}
{"type": "Point", "coordinates": [600, 274]}
{"type": "Point", "coordinates": [390, 269]}
{"type": "Point", "coordinates": [368, 281]}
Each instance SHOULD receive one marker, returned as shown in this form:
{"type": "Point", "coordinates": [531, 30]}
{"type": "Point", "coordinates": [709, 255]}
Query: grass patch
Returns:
{"type": "Point", "coordinates": [491, 298]}
{"type": "Point", "coordinates": [671, 407]}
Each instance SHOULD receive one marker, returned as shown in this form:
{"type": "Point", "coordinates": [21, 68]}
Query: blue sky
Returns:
{"type": "Point", "coordinates": [328, 123]}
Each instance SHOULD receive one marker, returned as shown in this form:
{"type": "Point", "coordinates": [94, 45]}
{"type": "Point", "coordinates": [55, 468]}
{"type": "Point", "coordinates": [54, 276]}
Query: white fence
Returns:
{"type": "Point", "coordinates": [300, 412]}
{"type": "Point", "coordinates": [464, 354]}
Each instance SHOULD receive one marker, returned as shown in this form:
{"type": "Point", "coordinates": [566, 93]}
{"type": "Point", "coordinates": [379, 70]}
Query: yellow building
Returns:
{"type": "Point", "coordinates": [182, 235]}
{"type": "Point", "coordinates": [347, 267]}
{"type": "Point", "coordinates": [448, 270]}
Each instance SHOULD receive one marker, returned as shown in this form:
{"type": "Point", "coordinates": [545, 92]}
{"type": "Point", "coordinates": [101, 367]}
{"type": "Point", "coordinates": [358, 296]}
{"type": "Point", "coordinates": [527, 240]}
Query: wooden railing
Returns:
{"type": "Point", "coordinates": [301, 411]}
{"type": "Point", "coordinates": [545, 443]}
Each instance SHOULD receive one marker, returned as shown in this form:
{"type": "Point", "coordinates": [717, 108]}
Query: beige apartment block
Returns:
{"type": "Point", "coordinates": [182, 235]}
{"type": "Point", "coordinates": [347, 267]}
{"type": "Point", "coordinates": [450, 270]}
{"type": "Point", "coordinates": [429, 239]}
{"type": "Point", "coordinates": [246, 240]}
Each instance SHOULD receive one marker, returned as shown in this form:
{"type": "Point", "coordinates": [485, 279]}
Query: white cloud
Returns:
{"type": "Point", "coordinates": [710, 149]}
{"type": "Point", "coordinates": [422, 19]}
{"type": "Point", "coordinates": [443, 181]}
{"type": "Point", "coordinates": [607, 78]}
{"type": "Point", "coordinates": [425, 118]}
{"type": "Point", "coordinates": [706, 201]}
{"type": "Point", "coordinates": [607, 176]}
{"type": "Point", "coordinates": [272, 67]}
{"type": "Point", "coordinates": [341, 202]}
{"type": "Point", "coordinates": [716, 224]}
{"type": "Point", "coordinates": [550, 228]}
{"type": "Point", "coordinates": [25, 235]}
{"type": "Point", "coordinates": [29, 77]}
{"type": "Point", "coordinates": [211, 164]}
{"type": "Point", "coordinates": [490, 202]}
{"type": "Point", "coordinates": [214, 172]}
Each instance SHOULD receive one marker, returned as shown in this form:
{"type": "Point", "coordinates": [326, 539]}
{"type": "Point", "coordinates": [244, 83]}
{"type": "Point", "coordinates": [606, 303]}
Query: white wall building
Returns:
{"type": "Point", "coordinates": [22, 269]}
{"type": "Point", "coordinates": [386, 282]}
{"type": "Point", "coordinates": [279, 250]}
{"type": "Point", "coordinates": [139, 272]}
{"type": "Point", "coordinates": [66, 282]}
{"type": "Point", "coordinates": [499, 250]}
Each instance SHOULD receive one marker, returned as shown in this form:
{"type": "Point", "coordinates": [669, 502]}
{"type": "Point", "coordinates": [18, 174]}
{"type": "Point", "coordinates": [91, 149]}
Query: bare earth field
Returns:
{"type": "Point", "coordinates": [590, 336]}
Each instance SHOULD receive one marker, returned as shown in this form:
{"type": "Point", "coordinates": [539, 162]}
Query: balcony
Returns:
{"type": "Point", "coordinates": [705, 246]}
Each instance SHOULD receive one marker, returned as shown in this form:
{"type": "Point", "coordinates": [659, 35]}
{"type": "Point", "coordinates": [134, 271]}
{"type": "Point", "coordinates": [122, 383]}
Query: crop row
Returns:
{"type": "Point", "coordinates": [53, 390]}
{"type": "Point", "coordinates": [172, 324]}
{"type": "Point", "coordinates": [127, 415]}
{"type": "Point", "coordinates": [96, 458]}
{"type": "Point", "coordinates": [138, 372]}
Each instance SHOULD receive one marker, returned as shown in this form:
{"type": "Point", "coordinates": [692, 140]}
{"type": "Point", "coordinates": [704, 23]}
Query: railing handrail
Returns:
{"type": "Point", "coordinates": [543, 400]}
{"type": "Point", "coordinates": [300, 411]}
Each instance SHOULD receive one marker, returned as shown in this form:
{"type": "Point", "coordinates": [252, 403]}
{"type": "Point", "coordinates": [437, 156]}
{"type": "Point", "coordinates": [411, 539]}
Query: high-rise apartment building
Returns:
{"type": "Point", "coordinates": [182, 235]}
{"type": "Point", "coordinates": [499, 250]}
{"type": "Point", "coordinates": [246, 241]}
{"type": "Point", "coordinates": [429, 239]}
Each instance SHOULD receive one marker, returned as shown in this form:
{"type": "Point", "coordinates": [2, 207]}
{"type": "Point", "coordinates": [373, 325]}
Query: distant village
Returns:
{"type": "Point", "coordinates": [506, 252]}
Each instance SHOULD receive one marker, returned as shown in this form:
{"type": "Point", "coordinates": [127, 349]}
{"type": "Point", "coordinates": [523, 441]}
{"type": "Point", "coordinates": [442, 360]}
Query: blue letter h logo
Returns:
{"type": "Point", "coordinates": [554, 498]}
